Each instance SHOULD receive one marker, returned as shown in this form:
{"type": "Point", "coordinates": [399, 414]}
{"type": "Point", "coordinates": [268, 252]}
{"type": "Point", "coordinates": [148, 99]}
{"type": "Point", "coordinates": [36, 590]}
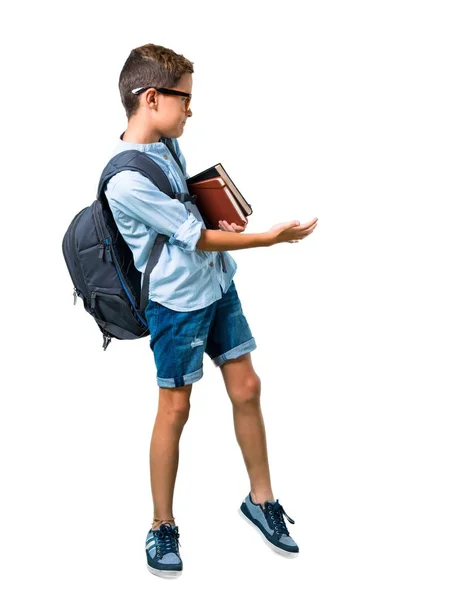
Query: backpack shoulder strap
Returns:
{"type": "Point", "coordinates": [135, 160]}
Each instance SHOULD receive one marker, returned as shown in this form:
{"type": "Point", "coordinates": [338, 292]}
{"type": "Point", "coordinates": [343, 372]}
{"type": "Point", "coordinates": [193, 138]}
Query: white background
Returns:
{"type": "Point", "coordinates": [335, 110]}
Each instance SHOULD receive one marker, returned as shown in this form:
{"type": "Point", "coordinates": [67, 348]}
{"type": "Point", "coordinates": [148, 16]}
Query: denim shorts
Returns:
{"type": "Point", "coordinates": [179, 339]}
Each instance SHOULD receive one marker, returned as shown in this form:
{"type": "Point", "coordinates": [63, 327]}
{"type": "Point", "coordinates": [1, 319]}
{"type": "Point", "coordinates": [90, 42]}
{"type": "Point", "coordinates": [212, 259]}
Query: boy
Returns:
{"type": "Point", "coordinates": [193, 303]}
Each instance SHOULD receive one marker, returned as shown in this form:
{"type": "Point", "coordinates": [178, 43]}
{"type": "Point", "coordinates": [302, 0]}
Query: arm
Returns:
{"type": "Point", "coordinates": [214, 239]}
{"type": "Point", "coordinates": [290, 231]}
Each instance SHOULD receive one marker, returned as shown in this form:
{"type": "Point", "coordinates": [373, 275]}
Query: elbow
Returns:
{"type": "Point", "coordinates": [187, 236]}
{"type": "Point", "coordinates": [201, 243]}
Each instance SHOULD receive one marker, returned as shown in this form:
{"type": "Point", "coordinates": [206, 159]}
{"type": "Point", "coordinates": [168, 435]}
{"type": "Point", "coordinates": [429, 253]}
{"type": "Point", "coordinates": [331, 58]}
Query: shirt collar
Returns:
{"type": "Point", "coordinates": [142, 147]}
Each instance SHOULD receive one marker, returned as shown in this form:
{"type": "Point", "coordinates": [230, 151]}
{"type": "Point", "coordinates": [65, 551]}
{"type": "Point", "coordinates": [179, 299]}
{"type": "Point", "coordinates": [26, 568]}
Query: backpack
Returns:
{"type": "Point", "coordinates": [100, 262]}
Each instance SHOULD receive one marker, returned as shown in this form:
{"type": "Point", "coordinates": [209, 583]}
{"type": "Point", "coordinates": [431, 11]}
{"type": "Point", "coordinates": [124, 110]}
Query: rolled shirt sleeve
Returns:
{"type": "Point", "coordinates": [188, 234]}
{"type": "Point", "coordinates": [136, 196]}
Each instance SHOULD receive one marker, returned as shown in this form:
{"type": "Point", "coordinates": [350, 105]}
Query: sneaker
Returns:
{"type": "Point", "coordinates": [162, 551]}
{"type": "Point", "coordinates": [269, 522]}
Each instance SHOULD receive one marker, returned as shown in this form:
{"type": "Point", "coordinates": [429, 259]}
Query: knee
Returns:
{"type": "Point", "coordinates": [247, 393]}
{"type": "Point", "coordinates": [180, 411]}
{"type": "Point", "coordinates": [174, 404]}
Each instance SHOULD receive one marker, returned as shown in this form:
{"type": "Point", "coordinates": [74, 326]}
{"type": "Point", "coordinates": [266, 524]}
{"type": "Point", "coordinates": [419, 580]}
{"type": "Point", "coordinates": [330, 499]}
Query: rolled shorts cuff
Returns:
{"type": "Point", "coordinates": [235, 352]}
{"type": "Point", "coordinates": [172, 382]}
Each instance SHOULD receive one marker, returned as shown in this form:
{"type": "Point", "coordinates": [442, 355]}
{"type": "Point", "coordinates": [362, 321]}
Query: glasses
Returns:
{"type": "Point", "coordinates": [138, 91]}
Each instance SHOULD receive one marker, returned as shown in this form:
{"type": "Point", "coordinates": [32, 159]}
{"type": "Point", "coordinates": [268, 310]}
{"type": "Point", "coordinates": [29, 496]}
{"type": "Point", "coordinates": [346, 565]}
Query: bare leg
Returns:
{"type": "Point", "coordinates": [243, 386]}
{"type": "Point", "coordinates": [173, 412]}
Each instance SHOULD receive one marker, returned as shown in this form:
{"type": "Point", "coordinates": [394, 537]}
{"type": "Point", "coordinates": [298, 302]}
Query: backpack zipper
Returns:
{"type": "Point", "coordinates": [105, 244]}
{"type": "Point", "coordinates": [84, 291]}
{"type": "Point", "coordinates": [112, 258]}
{"type": "Point", "coordinates": [99, 230]}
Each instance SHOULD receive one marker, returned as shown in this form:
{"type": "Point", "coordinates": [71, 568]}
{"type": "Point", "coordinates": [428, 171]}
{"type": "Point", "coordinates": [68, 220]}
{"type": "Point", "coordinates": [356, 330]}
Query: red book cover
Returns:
{"type": "Point", "coordinates": [216, 202]}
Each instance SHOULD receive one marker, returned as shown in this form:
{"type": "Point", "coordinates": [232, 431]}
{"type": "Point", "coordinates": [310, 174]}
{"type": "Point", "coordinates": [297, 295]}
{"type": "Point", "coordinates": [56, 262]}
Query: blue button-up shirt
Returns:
{"type": "Point", "coordinates": [184, 278]}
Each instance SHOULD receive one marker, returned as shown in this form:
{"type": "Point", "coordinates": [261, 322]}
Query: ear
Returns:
{"type": "Point", "coordinates": [150, 98]}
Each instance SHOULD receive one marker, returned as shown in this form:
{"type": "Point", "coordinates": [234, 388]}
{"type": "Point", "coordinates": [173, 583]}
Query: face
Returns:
{"type": "Point", "coordinates": [171, 115]}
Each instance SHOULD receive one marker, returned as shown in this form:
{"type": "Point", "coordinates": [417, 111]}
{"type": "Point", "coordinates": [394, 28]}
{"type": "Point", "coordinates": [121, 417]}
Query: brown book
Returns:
{"type": "Point", "coordinates": [217, 198]}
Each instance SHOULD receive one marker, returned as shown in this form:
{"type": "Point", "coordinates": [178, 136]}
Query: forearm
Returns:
{"type": "Point", "coordinates": [212, 239]}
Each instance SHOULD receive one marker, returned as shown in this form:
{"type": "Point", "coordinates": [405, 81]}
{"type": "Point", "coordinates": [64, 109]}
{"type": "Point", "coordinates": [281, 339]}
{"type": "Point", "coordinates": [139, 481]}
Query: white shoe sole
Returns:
{"type": "Point", "coordinates": [166, 574]}
{"type": "Point", "coordinates": [270, 545]}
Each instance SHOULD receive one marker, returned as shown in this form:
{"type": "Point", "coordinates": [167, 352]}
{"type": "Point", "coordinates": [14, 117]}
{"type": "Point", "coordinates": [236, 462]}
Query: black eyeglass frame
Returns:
{"type": "Point", "coordinates": [138, 91]}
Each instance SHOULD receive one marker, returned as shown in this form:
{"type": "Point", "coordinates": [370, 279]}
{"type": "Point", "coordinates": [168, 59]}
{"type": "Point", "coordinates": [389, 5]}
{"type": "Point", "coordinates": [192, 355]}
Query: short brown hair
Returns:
{"type": "Point", "coordinates": [150, 65]}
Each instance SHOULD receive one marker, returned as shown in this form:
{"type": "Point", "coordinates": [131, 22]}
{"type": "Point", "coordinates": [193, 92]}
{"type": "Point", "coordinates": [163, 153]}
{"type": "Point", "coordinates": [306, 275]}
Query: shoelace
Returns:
{"type": "Point", "coordinates": [168, 540]}
{"type": "Point", "coordinates": [274, 512]}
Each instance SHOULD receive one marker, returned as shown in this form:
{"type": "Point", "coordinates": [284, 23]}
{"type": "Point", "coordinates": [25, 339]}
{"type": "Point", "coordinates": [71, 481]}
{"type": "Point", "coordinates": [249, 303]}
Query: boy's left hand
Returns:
{"type": "Point", "coordinates": [225, 226]}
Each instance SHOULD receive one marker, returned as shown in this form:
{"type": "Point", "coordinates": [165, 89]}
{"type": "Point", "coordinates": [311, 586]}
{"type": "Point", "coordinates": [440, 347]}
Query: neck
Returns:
{"type": "Point", "coordinates": [140, 133]}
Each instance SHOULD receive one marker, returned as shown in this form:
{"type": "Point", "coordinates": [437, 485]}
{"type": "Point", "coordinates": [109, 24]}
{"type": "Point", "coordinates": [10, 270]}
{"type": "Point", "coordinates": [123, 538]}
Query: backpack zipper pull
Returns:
{"type": "Point", "coordinates": [108, 250]}
{"type": "Point", "coordinates": [107, 340]}
{"type": "Point", "coordinates": [75, 295]}
{"type": "Point", "coordinates": [101, 251]}
{"type": "Point", "coordinates": [93, 299]}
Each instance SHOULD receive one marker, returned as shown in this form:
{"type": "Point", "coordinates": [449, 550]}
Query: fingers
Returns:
{"type": "Point", "coordinates": [306, 227]}
{"type": "Point", "coordinates": [302, 231]}
{"type": "Point", "coordinates": [225, 226]}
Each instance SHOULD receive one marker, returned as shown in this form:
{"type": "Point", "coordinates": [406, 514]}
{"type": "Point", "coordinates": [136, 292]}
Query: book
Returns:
{"type": "Point", "coordinates": [218, 198]}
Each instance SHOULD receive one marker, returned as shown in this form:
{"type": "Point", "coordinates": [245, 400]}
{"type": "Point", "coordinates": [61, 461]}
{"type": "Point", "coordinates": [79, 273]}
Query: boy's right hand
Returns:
{"type": "Point", "coordinates": [290, 232]}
